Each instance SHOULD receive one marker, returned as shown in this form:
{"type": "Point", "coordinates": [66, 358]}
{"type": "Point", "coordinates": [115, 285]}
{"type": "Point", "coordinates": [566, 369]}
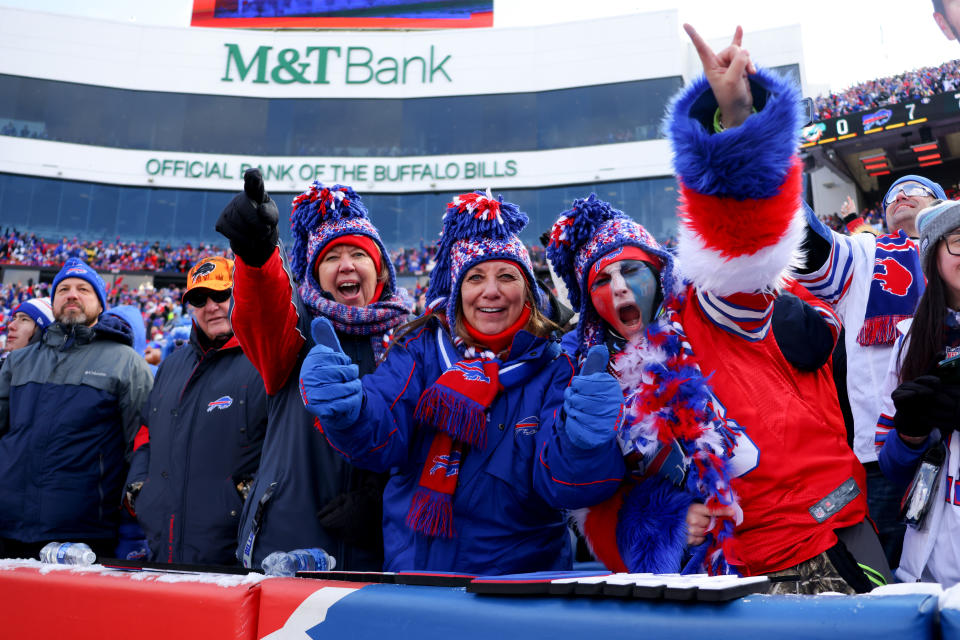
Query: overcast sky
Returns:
{"type": "Point", "coordinates": [844, 41]}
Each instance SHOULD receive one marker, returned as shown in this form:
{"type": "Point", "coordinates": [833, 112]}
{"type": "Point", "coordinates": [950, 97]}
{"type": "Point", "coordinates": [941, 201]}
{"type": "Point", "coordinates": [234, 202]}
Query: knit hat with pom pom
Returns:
{"type": "Point", "coordinates": [323, 217]}
{"type": "Point", "coordinates": [476, 228]}
{"type": "Point", "coordinates": [583, 240]}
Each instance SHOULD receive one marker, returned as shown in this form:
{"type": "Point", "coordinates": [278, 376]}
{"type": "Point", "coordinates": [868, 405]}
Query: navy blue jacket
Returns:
{"type": "Point", "coordinates": [304, 495]}
{"type": "Point", "coordinates": [203, 424]}
{"type": "Point", "coordinates": [69, 409]}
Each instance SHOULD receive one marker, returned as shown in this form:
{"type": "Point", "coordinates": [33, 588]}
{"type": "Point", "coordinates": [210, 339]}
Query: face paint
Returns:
{"type": "Point", "coordinates": [623, 293]}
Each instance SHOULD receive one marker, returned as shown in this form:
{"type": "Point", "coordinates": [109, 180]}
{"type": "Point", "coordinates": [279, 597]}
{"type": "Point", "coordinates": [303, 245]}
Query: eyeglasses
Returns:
{"type": "Point", "coordinates": [909, 189]}
{"type": "Point", "coordinates": [952, 242]}
{"type": "Point", "coordinates": [198, 297]}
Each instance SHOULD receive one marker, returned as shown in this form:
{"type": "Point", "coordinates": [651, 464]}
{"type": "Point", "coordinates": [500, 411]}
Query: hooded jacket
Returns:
{"type": "Point", "coordinates": [68, 414]}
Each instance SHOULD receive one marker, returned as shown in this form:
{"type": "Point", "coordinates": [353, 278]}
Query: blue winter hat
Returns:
{"type": "Point", "coordinates": [476, 228]}
{"type": "Point", "coordinates": [929, 184]}
{"type": "Point", "coordinates": [588, 231]}
{"type": "Point", "coordinates": [39, 310]}
{"type": "Point", "coordinates": [321, 214]}
{"type": "Point", "coordinates": [77, 268]}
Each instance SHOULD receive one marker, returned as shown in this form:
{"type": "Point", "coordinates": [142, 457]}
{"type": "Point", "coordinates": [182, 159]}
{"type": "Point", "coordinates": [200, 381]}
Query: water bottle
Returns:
{"type": "Point", "coordinates": [67, 553]}
{"type": "Point", "coordinates": [282, 563]}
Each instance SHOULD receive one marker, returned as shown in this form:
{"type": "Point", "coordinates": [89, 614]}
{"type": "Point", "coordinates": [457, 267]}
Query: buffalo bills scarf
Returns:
{"type": "Point", "coordinates": [895, 289]}
{"type": "Point", "coordinates": [455, 408]}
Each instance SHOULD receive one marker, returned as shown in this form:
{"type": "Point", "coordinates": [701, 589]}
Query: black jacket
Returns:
{"type": "Point", "coordinates": [205, 418]}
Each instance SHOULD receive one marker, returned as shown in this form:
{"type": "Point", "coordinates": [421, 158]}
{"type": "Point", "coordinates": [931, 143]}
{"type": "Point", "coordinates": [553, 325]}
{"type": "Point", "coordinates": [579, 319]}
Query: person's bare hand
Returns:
{"type": "Point", "coordinates": [699, 520]}
{"type": "Point", "coordinates": [847, 207]}
{"type": "Point", "coordinates": [728, 75]}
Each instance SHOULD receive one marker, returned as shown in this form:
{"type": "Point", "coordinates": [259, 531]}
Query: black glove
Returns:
{"type": "Point", "coordinates": [924, 404]}
{"type": "Point", "coordinates": [249, 222]}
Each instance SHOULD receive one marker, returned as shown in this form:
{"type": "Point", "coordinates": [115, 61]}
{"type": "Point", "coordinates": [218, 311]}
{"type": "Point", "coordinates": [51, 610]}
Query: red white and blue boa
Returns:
{"type": "Point", "coordinates": [668, 400]}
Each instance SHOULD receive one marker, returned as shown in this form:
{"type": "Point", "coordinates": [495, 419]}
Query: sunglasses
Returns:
{"type": "Point", "coordinates": [198, 298]}
{"type": "Point", "coordinates": [909, 189]}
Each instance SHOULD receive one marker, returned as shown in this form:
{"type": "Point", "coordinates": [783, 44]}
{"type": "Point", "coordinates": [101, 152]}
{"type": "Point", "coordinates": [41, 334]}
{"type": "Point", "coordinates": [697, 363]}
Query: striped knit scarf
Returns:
{"type": "Point", "coordinates": [377, 320]}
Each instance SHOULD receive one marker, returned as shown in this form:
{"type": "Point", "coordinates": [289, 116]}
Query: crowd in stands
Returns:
{"type": "Point", "coordinates": [27, 249]}
{"type": "Point", "coordinates": [871, 94]}
{"type": "Point", "coordinates": [20, 248]}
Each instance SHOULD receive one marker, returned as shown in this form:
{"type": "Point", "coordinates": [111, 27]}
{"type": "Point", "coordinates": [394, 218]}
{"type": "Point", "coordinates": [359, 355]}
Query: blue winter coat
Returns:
{"type": "Point", "coordinates": [508, 505]}
{"type": "Point", "coordinates": [205, 419]}
{"type": "Point", "coordinates": [68, 412]}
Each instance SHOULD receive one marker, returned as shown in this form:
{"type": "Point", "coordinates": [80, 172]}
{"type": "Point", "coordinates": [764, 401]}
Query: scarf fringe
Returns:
{"type": "Point", "coordinates": [431, 513]}
{"type": "Point", "coordinates": [459, 417]}
{"type": "Point", "coordinates": [879, 330]}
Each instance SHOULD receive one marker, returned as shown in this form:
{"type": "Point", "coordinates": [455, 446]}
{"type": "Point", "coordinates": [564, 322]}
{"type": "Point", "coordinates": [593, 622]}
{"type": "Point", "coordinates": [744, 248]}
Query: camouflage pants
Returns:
{"type": "Point", "coordinates": [813, 576]}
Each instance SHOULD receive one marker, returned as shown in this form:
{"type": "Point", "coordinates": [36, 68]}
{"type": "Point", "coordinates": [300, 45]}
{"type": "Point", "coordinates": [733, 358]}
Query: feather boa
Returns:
{"type": "Point", "coordinates": [669, 398]}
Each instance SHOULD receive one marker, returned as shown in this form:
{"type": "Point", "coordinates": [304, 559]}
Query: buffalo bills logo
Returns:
{"type": "Point", "coordinates": [876, 119]}
{"type": "Point", "coordinates": [448, 464]}
{"type": "Point", "coordinates": [203, 270]}
{"type": "Point", "coordinates": [894, 278]}
{"type": "Point", "coordinates": [607, 259]}
{"type": "Point", "coordinates": [77, 270]}
{"type": "Point", "coordinates": [527, 427]}
{"type": "Point", "coordinates": [471, 371]}
{"type": "Point", "coordinates": [220, 403]}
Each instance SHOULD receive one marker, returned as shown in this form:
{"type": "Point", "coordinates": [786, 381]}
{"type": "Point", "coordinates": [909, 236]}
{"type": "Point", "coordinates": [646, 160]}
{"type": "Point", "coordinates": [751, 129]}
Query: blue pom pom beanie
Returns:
{"type": "Point", "coordinates": [322, 214]}
{"type": "Point", "coordinates": [582, 235]}
{"type": "Point", "coordinates": [476, 228]}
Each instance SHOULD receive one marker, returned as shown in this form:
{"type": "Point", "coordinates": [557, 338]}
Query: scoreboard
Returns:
{"type": "Point", "coordinates": [886, 118]}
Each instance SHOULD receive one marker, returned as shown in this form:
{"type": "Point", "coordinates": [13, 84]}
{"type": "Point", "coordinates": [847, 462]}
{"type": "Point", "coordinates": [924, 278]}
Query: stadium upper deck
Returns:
{"type": "Point", "coordinates": [110, 129]}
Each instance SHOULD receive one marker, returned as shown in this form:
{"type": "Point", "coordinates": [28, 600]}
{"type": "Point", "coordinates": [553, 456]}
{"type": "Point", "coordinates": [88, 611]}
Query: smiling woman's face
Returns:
{"type": "Point", "coordinates": [349, 274]}
{"type": "Point", "coordinates": [623, 293]}
{"type": "Point", "coordinates": [492, 295]}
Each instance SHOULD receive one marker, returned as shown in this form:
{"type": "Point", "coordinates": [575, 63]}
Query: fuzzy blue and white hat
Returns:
{"type": "Point", "coordinates": [322, 214]}
{"type": "Point", "coordinates": [476, 228]}
{"type": "Point", "coordinates": [40, 311]}
{"type": "Point", "coordinates": [581, 236]}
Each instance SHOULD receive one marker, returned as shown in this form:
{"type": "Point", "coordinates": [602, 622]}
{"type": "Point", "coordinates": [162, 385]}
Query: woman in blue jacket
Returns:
{"type": "Point", "coordinates": [488, 431]}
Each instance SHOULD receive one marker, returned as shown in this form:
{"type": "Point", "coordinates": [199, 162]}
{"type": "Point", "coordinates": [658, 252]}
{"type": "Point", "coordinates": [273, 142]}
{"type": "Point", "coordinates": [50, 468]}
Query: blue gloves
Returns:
{"type": "Point", "coordinates": [329, 383]}
{"type": "Point", "coordinates": [593, 403]}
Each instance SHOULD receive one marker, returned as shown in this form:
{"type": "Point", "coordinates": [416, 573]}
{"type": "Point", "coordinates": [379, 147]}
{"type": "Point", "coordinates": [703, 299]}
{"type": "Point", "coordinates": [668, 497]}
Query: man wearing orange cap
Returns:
{"type": "Point", "coordinates": [203, 428]}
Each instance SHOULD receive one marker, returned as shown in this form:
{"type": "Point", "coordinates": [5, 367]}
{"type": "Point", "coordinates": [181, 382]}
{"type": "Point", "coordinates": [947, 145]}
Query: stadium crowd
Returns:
{"type": "Point", "coordinates": [871, 94]}
{"type": "Point", "coordinates": [661, 405]}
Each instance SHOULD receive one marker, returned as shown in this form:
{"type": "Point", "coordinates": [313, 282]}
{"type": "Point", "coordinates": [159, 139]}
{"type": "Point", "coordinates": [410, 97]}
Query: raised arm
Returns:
{"type": "Point", "coordinates": [266, 316]}
{"type": "Point", "coordinates": [734, 134]}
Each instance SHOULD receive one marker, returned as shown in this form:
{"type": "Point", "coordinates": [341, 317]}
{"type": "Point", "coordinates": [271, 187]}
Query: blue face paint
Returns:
{"type": "Point", "coordinates": [624, 294]}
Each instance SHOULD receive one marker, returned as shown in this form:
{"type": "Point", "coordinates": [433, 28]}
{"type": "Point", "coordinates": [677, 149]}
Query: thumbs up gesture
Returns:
{"type": "Point", "coordinates": [329, 383]}
{"type": "Point", "coordinates": [250, 220]}
{"type": "Point", "coordinates": [593, 403]}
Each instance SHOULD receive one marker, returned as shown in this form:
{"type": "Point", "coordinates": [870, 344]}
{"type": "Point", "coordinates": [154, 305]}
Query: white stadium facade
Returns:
{"type": "Point", "coordinates": [111, 129]}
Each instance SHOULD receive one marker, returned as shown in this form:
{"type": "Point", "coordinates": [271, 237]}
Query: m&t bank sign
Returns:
{"type": "Point", "coordinates": [323, 65]}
